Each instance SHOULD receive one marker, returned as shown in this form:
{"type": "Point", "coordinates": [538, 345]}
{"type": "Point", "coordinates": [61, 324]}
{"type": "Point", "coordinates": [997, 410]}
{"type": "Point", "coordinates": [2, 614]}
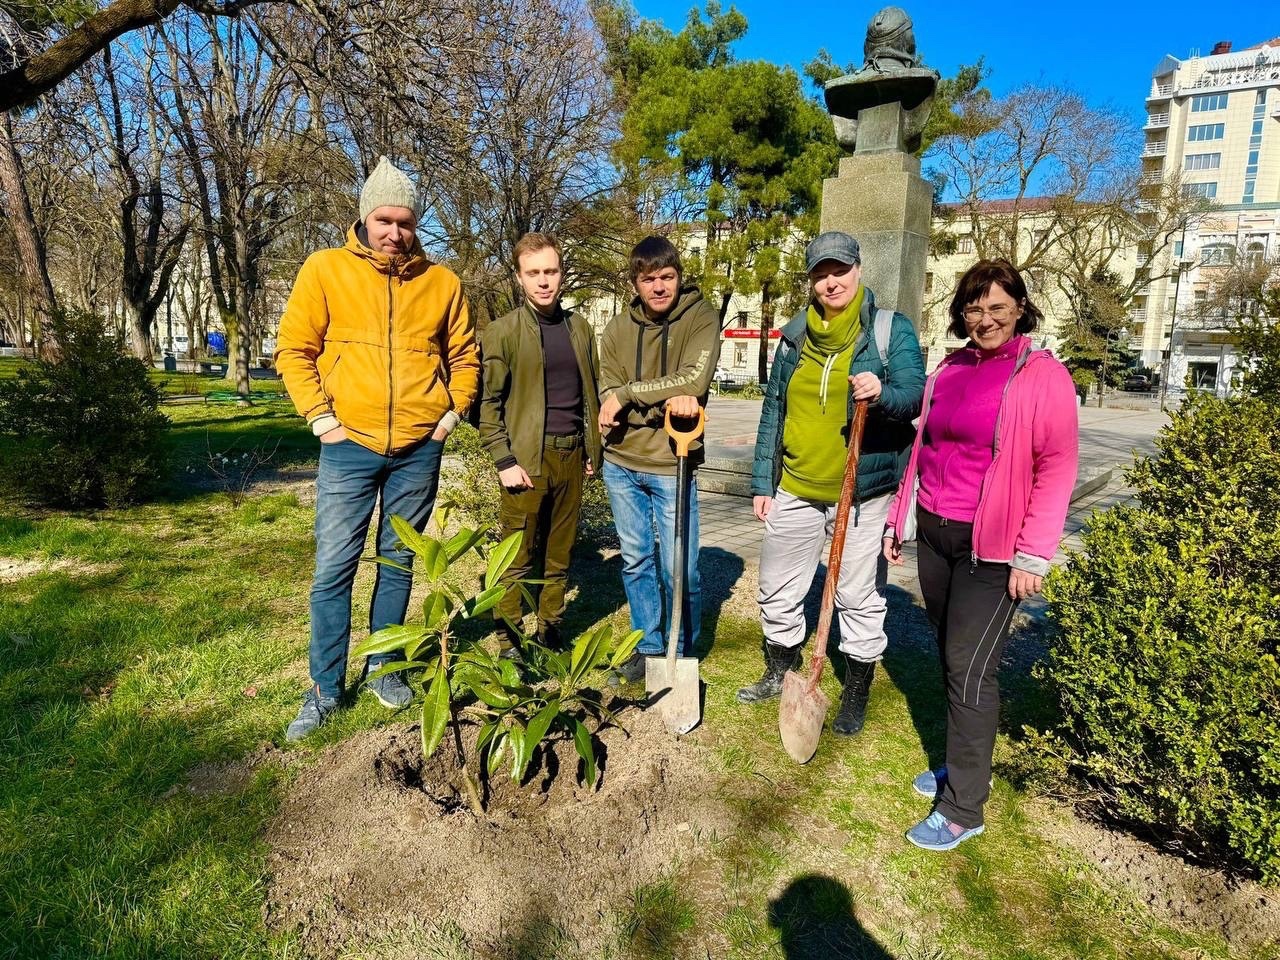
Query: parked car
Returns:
{"type": "Point", "coordinates": [1136, 383]}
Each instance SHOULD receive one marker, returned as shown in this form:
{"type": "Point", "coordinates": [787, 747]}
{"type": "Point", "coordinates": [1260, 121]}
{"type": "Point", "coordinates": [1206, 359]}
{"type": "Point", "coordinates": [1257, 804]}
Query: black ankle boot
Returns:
{"type": "Point", "coordinates": [777, 661]}
{"type": "Point", "coordinates": [853, 701]}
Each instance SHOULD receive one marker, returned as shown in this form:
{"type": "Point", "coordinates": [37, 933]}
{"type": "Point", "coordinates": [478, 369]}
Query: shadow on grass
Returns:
{"type": "Point", "coordinates": [815, 920]}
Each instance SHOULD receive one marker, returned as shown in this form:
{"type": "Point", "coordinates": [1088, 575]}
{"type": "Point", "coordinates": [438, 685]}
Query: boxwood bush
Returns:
{"type": "Point", "coordinates": [82, 429]}
{"type": "Point", "coordinates": [1163, 653]}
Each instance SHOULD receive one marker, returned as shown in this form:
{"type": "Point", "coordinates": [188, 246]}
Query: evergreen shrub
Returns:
{"type": "Point", "coordinates": [83, 429]}
{"type": "Point", "coordinates": [1163, 653]}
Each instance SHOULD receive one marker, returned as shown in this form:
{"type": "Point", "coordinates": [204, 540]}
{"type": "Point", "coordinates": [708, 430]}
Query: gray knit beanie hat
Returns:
{"type": "Point", "coordinates": [388, 186]}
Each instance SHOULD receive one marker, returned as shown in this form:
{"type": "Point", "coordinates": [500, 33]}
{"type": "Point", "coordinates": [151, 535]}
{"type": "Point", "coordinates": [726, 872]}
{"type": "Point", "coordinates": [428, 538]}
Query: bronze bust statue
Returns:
{"type": "Point", "coordinates": [892, 73]}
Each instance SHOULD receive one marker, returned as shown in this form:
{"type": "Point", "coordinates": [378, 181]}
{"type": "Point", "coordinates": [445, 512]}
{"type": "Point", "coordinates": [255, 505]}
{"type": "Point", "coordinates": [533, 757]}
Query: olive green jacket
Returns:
{"type": "Point", "coordinates": [513, 404]}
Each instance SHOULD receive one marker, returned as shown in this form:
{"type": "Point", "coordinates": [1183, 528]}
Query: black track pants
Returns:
{"type": "Point", "coordinates": [968, 604]}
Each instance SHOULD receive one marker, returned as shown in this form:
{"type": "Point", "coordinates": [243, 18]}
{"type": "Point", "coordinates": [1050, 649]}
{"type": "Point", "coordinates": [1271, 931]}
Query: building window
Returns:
{"type": "Point", "coordinates": [1202, 161]}
{"type": "Point", "coordinates": [1209, 101]}
{"type": "Point", "coordinates": [1203, 375]}
{"type": "Point", "coordinates": [928, 283]}
{"type": "Point", "coordinates": [1035, 281]}
{"type": "Point", "coordinates": [1205, 131]}
{"type": "Point", "coordinates": [1255, 253]}
{"type": "Point", "coordinates": [739, 354]}
{"type": "Point", "coordinates": [965, 244]}
{"type": "Point", "coordinates": [1216, 254]}
{"type": "Point", "coordinates": [1206, 190]}
{"type": "Point", "coordinates": [741, 320]}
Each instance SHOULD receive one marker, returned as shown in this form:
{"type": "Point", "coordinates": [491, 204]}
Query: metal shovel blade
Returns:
{"type": "Point", "coordinates": [801, 715]}
{"type": "Point", "coordinates": [676, 690]}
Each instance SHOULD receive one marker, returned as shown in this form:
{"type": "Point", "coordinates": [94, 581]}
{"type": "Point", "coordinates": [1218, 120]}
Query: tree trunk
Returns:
{"type": "Point", "coordinates": [766, 326]}
{"type": "Point", "coordinates": [139, 326]}
{"type": "Point", "coordinates": [31, 250]}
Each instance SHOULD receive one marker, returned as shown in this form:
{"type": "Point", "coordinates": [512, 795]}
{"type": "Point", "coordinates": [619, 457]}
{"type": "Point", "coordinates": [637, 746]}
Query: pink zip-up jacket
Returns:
{"type": "Point", "coordinates": [1026, 491]}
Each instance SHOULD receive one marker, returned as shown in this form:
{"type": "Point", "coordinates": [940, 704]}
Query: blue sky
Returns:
{"type": "Point", "coordinates": [1106, 51]}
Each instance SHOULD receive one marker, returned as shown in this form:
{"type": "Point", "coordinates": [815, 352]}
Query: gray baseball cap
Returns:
{"type": "Point", "coordinates": [832, 245]}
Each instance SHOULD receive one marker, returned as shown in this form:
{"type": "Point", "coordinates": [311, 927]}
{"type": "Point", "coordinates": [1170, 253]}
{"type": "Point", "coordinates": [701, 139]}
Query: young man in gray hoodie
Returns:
{"type": "Point", "coordinates": [657, 356]}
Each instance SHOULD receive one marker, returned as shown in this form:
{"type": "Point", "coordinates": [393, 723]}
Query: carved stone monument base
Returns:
{"type": "Point", "coordinates": [880, 198]}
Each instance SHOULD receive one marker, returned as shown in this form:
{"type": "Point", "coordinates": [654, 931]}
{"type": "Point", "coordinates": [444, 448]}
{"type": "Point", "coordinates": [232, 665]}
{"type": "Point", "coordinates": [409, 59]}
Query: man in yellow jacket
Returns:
{"type": "Point", "coordinates": [378, 353]}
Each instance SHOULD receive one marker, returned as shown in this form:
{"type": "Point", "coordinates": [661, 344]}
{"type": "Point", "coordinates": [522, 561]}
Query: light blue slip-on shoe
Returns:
{"type": "Point", "coordinates": [934, 833]}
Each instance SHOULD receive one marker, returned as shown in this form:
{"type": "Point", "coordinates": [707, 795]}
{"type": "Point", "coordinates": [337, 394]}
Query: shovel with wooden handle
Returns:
{"type": "Point", "coordinates": [672, 683]}
{"type": "Point", "coordinates": [803, 708]}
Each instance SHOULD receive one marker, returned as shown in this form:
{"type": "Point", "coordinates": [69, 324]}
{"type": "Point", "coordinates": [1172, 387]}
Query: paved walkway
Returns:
{"type": "Point", "coordinates": [1108, 439]}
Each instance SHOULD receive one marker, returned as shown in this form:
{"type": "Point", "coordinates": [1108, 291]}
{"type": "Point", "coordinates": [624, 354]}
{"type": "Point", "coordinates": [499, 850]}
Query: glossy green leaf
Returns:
{"type": "Point", "coordinates": [586, 750]}
{"type": "Point", "coordinates": [462, 541]}
{"type": "Point", "coordinates": [395, 637]}
{"type": "Point", "coordinates": [497, 750]}
{"type": "Point", "coordinates": [510, 675]}
{"type": "Point", "coordinates": [625, 648]}
{"type": "Point", "coordinates": [519, 752]}
{"type": "Point", "coordinates": [487, 730]}
{"type": "Point", "coordinates": [435, 608]}
{"type": "Point", "coordinates": [435, 712]}
{"type": "Point", "coordinates": [493, 698]}
{"type": "Point", "coordinates": [487, 600]}
{"type": "Point", "coordinates": [395, 666]}
{"type": "Point", "coordinates": [388, 562]}
{"type": "Point", "coordinates": [501, 557]}
{"type": "Point", "coordinates": [528, 596]}
{"type": "Point", "coordinates": [434, 561]}
{"type": "Point", "coordinates": [588, 652]}
{"type": "Point", "coordinates": [540, 724]}
{"type": "Point", "coordinates": [410, 537]}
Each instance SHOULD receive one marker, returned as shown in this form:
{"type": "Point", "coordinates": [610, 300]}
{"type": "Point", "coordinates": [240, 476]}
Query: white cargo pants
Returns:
{"type": "Point", "coordinates": [795, 539]}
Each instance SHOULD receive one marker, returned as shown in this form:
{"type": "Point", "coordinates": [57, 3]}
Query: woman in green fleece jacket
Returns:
{"type": "Point", "coordinates": [831, 355]}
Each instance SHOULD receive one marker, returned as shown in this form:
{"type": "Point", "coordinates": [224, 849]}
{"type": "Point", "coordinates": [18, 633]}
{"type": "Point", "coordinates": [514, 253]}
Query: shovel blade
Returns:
{"type": "Point", "coordinates": [801, 715]}
{"type": "Point", "coordinates": [676, 693]}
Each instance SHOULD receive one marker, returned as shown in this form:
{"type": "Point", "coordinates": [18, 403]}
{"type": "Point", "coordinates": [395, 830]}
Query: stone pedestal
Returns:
{"type": "Point", "coordinates": [880, 198]}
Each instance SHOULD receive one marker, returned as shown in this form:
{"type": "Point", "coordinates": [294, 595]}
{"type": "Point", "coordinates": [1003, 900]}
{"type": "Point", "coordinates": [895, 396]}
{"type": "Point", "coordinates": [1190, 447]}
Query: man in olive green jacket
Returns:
{"type": "Point", "coordinates": [538, 417]}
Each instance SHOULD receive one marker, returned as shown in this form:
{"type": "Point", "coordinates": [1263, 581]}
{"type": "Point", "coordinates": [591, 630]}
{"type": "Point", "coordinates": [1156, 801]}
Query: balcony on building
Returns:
{"type": "Point", "coordinates": [1151, 178]}
{"type": "Point", "coordinates": [1155, 148]}
{"type": "Point", "coordinates": [1160, 91]}
{"type": "Point", "coordinates": [1157, 121]}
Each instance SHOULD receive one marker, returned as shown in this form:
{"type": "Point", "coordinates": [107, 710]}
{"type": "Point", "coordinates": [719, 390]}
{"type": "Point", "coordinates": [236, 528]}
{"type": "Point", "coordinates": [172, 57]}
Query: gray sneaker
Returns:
{"type": "Point", "coordinates": [631, 670]}
{"type": "Point", "coordinates": [391, 690]}
{"type": "Point", "coordinates": [930, 783]}
{"type": "Point", "coordinates": [314, 711]}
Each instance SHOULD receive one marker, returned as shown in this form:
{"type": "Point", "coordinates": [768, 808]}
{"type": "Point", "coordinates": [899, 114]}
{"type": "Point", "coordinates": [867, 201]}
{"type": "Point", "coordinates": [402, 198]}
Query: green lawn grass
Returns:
{"type": "Point", "coordinates": [157, 644]}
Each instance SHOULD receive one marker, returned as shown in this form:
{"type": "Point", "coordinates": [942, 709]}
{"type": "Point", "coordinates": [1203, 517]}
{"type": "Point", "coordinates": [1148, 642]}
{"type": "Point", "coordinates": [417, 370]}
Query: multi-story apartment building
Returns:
{"type": "Point", "coordinates": [1047, 237]}
{"type": "Point", "coordinates": [1213, 129]}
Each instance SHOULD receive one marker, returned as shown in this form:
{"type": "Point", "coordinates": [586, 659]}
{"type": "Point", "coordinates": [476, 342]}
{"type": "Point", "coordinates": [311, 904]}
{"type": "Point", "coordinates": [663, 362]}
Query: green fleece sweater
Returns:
{"type": "Point", "coordinates": [814, 444]}
{"type": "Point", "coordinates": [645, 362]}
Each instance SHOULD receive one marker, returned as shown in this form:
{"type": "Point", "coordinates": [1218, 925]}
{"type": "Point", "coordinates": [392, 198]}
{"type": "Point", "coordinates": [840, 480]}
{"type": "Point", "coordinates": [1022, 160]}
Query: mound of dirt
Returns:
{"type": "Point", "coordinates": [370, 841]}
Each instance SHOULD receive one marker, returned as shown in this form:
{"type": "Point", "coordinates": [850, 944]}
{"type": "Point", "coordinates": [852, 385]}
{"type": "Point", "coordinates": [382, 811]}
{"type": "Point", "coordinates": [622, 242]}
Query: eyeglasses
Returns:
{"type": "Point", "coordinates": [1001, 311]}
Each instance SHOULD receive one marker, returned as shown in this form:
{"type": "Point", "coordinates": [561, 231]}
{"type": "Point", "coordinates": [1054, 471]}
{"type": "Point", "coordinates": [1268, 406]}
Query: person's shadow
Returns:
{"type": "Point", "coordinates": [815, 920]}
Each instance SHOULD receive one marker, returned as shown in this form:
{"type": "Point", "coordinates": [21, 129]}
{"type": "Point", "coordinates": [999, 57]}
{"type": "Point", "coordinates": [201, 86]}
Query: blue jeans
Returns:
{"type": "Point", "coordinates": [348, 484]}
{"type": "Point", "coordinates": [644, 511]}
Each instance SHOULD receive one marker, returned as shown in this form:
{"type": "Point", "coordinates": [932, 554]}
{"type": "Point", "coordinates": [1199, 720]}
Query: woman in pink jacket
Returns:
{"type": "Point", "coordinates": [987, 486]}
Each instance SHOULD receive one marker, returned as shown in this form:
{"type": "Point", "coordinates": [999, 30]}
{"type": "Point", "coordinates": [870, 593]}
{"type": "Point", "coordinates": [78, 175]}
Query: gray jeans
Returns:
{"type": "Point", "coordinates": [795, 539]}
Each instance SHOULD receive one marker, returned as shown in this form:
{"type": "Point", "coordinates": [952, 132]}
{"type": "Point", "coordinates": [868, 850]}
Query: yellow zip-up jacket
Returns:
{"type": "Point", "coordinates": [384, 344]}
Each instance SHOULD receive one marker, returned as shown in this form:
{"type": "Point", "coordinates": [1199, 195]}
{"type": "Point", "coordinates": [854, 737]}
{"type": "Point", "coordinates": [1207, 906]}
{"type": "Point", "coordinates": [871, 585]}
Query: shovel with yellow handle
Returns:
{"type": "Point", "coordinates": [672, 683]}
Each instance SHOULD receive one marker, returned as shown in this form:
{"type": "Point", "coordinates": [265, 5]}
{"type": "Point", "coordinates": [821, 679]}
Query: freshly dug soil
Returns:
{"type": "Point", "coordinates": [370, 841]}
